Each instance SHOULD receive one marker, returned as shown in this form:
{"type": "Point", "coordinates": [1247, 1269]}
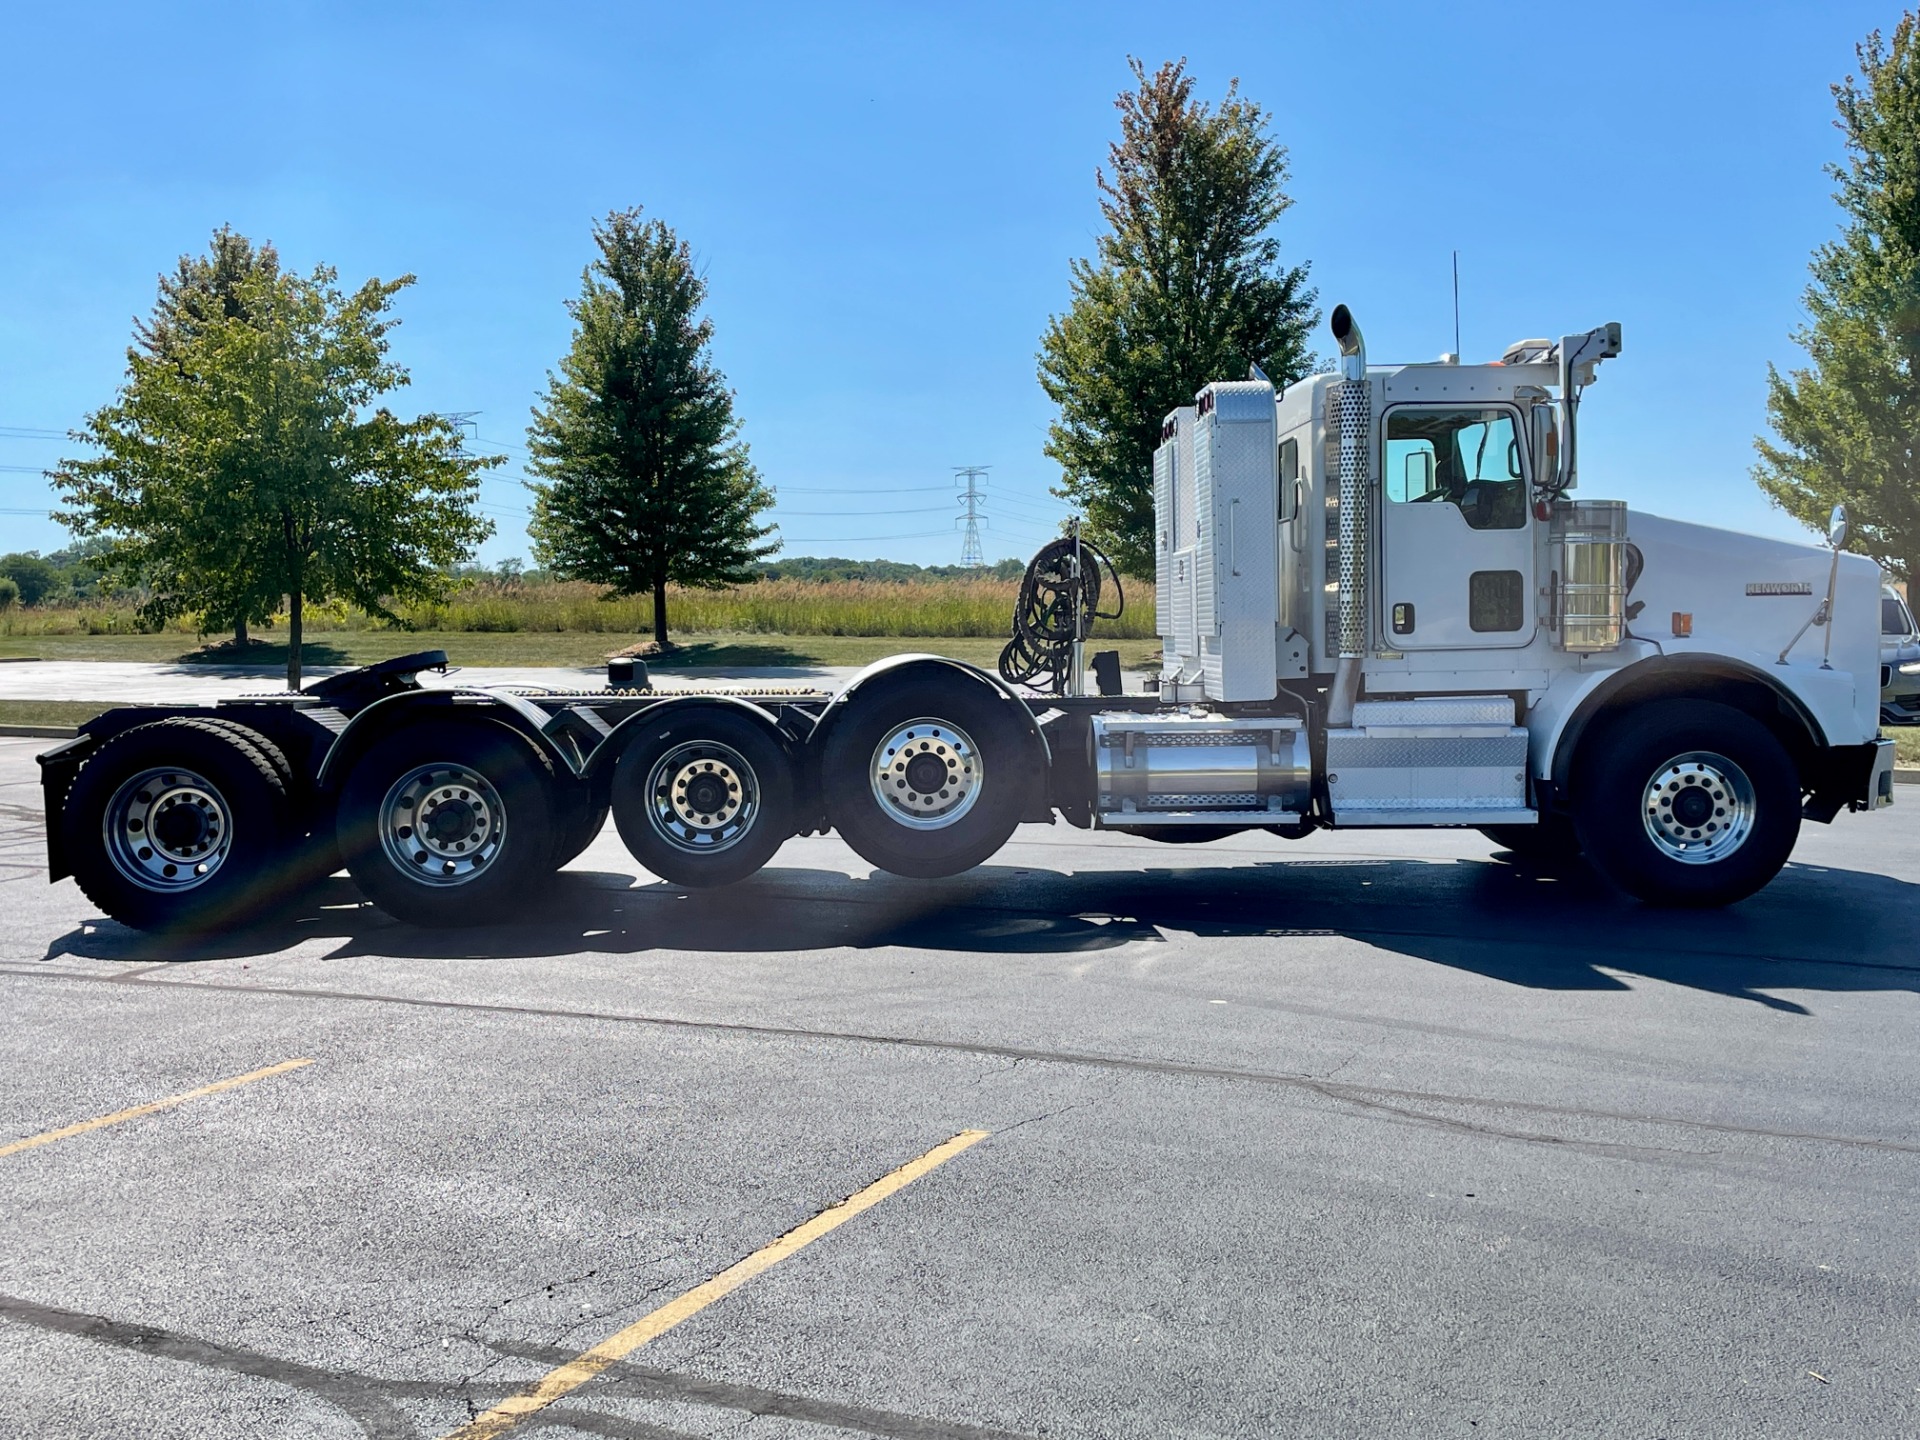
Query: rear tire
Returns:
{"type": "Point", "coordinates": [177, 826]}
{"type": "Point", "coordinates": [1687, 803]}
{"type": "Point", "coordinates": [312, 852]}
{"type": "Point", "coordinates": [448, 824]}
{"type": "Point", "coordinates": [703, 796]}
{"type": "Point", "coordinates": [950, 759]}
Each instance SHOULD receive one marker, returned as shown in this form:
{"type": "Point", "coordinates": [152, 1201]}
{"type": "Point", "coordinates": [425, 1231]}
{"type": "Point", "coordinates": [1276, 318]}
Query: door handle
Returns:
{"type": "Point", "coordinates": [1233, 560]}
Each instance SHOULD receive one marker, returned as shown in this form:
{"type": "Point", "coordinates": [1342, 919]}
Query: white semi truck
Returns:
{"type": "Point", "coordinates": [1382, 605]}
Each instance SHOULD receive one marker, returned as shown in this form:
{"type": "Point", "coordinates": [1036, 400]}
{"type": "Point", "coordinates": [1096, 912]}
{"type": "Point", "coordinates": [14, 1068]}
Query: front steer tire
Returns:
{"type": "Point", "coordinates": [1686, 803]}
{"type": "Point", "coordinates": [178, 826]}
{"type": "Point", "coordinates": [449, 824]}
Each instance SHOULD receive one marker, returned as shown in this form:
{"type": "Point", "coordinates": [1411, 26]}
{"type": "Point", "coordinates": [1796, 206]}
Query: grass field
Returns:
{"type": "Point", "coordinates": [947, 609]}
{"type": "Point", "coordinates": [48, 712]}
{"type": "Point", "coordinates": [360, 647]}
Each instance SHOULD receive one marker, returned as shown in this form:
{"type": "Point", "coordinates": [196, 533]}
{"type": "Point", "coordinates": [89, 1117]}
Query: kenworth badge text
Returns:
{"type": "Point", "coordinates": [1381, 605]}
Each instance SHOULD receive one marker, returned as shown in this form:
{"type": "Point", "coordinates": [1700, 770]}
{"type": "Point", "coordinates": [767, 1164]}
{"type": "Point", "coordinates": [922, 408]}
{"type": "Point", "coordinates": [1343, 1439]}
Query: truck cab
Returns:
{"type": "Point", "coordinates": [1473, 642]}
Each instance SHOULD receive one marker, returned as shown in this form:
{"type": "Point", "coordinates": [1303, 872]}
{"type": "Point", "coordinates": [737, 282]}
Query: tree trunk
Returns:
{"type": "Point", "coordinates": [240, 632]}
{"type": "Point", "coordinates": [660, 605]}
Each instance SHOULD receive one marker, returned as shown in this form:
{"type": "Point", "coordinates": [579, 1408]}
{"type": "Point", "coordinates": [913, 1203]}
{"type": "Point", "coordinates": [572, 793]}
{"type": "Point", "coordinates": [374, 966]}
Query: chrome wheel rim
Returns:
{"type": "Point", "coordinates": [167, 830]}
{"type": "Point", "coordinates": [702, 797]}
{"type": "Point", "coordinates": [927, 774]}
{"type": "Point", "coordinates": [1699, 808]}
{"type": "Point", "coordinates": [442, 824]}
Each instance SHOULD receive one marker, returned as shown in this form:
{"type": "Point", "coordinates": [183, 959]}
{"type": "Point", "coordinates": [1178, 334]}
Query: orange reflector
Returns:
{"type": "Point", "coordinates": [1682, 625]}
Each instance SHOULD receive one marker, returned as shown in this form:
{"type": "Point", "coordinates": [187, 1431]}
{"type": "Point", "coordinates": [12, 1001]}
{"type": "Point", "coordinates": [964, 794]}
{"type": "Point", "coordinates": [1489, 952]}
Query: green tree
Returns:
{"type": "Point", "coordinates": [202, 288]}
{"type": "Point", "coordinates": [259, 427]}
{"type": "Point", "coordinates": [644, 477]}
{"type": "Point", "coordinates": [9, 592]}
{"type": "Point", "coordinates": [1187, 287]}
{"type": "Point", "coordinates": [1847, 426]}
{"type": "Point", "coordinates": [196, 553]}
{"type": "Point", "coordinates": [33, 576]}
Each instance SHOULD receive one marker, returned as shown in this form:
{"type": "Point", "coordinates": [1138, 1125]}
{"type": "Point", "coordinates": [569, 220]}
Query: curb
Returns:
{"type": "Point", "coordinates": [20, 659]}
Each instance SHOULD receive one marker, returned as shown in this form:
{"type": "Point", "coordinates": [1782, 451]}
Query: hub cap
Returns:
{"type": "Point", "coordinates": [167, 830]}
{"type": "Point", "coordinates": [927, 774]}
{"type": "Point", "coordinates": [442, 824]}
{"type": "Point", "coordinates": [1699, 808]}
{"type": "Point", "coordinates": [702, 797]}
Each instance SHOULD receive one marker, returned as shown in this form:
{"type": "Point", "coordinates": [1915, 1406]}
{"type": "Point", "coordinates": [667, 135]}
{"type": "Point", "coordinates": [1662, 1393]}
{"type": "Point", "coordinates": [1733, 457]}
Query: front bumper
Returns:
{"type": "Point", "coordinates": [1880, 781]}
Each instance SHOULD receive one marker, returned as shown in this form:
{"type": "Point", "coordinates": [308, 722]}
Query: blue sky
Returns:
{"type": "Point", "coordinates": [886, 198]}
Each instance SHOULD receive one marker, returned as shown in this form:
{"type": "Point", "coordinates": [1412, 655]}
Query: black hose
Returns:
{"type": "Point", "coordinates": [1053, 611]}
{"type": "Point", "coordinates": [1636, 564]}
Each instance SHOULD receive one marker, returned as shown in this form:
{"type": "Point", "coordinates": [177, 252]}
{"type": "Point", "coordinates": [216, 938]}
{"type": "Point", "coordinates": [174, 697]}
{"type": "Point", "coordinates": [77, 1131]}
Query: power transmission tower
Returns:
{"type": "Point", "coordinates": [973, 477]}
{"type": "Point", "coordinates": [468, 424]}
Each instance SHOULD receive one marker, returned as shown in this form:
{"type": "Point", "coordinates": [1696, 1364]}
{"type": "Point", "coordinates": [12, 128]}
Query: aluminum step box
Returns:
{"type": "Point", "coordinates": [1441, 760]}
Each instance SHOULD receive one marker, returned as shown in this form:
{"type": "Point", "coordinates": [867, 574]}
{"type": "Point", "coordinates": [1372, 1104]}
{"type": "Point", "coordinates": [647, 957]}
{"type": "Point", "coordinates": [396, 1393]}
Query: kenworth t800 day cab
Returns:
{"type": "Point", "coordinates": [1381, 605]}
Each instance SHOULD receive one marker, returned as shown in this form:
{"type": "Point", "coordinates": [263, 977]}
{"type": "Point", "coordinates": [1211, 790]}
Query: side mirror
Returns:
{"type": "Point", "coordinates": [1838, 527]}
{"type": "Point", "coordinates": [1546, 445]}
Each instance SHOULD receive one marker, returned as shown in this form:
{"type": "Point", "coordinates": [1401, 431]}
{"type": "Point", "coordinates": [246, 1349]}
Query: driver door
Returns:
{"type": "Point", "coordinates": [1456, 534]}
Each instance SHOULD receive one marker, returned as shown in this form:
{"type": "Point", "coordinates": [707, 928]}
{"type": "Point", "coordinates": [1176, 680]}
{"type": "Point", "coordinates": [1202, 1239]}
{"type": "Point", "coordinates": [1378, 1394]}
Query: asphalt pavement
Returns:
{"type": "Point", "coordinates": [1366, 1135]}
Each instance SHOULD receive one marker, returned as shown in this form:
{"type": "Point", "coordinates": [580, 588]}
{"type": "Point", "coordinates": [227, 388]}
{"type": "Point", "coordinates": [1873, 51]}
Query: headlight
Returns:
{"type": "Point", "coordinates": [1912, 667]}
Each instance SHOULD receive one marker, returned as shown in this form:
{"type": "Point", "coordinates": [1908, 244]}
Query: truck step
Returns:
{"type": "Point", "coordinates": [1442, 760]}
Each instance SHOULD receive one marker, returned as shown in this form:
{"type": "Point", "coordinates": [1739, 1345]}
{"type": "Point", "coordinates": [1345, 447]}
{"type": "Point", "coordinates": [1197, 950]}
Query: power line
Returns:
{"type": "Point", "coordinates": [1031, 509]}
{"type": "Point", "coordinates": [815, 514]}
{"type": "Point", "coordinates": [25, 432]}
{"type": "Point", "coordinates": [849, 539]}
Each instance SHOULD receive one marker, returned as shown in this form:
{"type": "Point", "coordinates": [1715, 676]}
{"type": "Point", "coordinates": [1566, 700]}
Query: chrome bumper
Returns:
{"type": "Point", "coordinates": [1880, 782]}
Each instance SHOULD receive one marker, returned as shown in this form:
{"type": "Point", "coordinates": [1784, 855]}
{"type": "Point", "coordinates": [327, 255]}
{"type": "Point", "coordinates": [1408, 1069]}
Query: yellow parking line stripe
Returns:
{"type": "Point", "coordinates": [100, 1123]}
{"type": "Point", "coordinates": [582, 1368]}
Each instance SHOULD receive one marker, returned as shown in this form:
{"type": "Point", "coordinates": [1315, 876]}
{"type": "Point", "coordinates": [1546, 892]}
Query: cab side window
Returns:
{"type": "Point", "coordinates": [1467, 458]}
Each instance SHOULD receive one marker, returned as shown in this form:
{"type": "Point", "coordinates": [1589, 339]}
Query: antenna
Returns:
{"type": "Point", "coordinates": [973, 477]}
{"type": "Point", "coordinates": [1456, 306]}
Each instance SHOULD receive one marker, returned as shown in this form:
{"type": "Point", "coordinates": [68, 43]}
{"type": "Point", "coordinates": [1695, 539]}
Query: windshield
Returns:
{"type": "Point", "coordinates": [1894, 617]}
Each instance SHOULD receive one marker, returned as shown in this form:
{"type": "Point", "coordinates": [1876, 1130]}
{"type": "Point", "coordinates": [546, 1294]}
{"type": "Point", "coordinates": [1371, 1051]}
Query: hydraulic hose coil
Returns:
{"type": "Point", "coordinates": [1054, 610]}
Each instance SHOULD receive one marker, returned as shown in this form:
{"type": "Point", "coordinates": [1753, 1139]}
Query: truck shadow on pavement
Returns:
{"type": "Point", "coordinates": [1814, 928]}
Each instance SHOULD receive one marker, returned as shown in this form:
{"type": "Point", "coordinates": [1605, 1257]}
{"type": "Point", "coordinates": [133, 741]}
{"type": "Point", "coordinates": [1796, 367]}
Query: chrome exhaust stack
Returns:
{"type": "Point", "coordinates": [1352, 404]}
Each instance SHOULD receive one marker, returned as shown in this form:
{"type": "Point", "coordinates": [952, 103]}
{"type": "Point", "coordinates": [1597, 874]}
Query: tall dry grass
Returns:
{"type": "Point", "coordinates": [947, 609]}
